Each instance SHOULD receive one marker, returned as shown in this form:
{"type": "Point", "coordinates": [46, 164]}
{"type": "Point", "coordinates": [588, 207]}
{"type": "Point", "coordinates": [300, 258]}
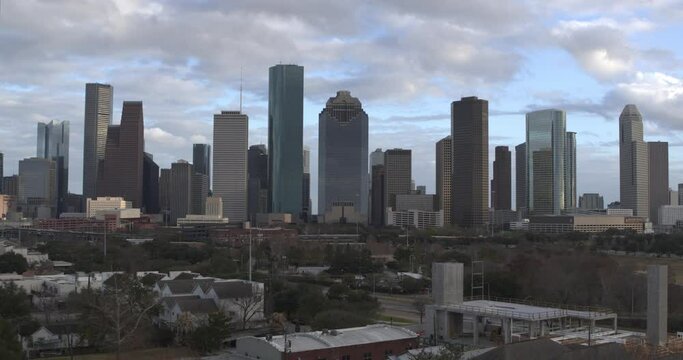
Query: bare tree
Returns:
{"type": "Point", "coordinates": [249, 306]}
{"type": "Point", "coordinates": [113, 315]}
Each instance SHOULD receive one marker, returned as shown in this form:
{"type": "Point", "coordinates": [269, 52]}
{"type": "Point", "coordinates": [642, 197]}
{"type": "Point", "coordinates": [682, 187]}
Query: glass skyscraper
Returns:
{"type": "Point", "coordinates": [285, 138]}
{"type": "Point", "coordinates": [342, 154]}
{"type": "Point", "coordinates": [545, 164]}
{"type": "Point", "coordinates": [98, 117]}
{"type": "Point", "coordinates": [53, 144]}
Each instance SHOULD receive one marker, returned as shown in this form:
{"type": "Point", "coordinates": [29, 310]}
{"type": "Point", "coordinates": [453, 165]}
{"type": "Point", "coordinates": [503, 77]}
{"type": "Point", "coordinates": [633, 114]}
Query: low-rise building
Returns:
{"type": "Point", "coordinates": [585, 223]}
{"type": "Point", "coordinates": [51, 338]}
{"type": "Point", "coordinates": [670, 215]}
{"type": "Point", "coordinates": [367, 342]}
{"type": "Point", "coordinates": [93, 206]}
{"type": "Point", "coordinates": [418, 219]}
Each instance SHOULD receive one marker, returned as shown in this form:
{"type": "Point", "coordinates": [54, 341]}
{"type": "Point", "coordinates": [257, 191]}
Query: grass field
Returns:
{"type": "Point", "coordinates": [145, 354]}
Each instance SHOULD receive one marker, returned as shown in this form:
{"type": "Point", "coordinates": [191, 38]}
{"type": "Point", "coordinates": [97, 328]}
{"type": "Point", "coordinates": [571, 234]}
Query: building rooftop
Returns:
{"type": "Point", "coordinates": [339, 338]}
{"type": "Point", "coordinates": [232, 289]}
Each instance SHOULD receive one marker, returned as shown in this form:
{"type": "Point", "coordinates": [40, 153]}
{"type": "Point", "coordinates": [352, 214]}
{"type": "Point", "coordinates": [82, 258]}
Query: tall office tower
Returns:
{"type": "Point", "coordinates": [658, 182]}
{"type": "Point", "coordinates": [53, 144]}
{"type": "Point", "coordinates": [570, 171]}
{"type": "Point", "coordinates": [200, 189]}
{"type": "Point", "coordinates": [342, 154]}
{"type": "Point", "coordinates": [377, 212]}
{"type": "Point", "coordinates": [257, 201]}
{"type": "Point", "coordinates": [98, 117]}
{"type": "Point", "coordinates": [470, 134]}
{"type": "Point", "coordinates": [120, 174]}
{"type": "Point", "coordinates": [591, 201]}
{"type": "Point", "coordinates": [230, 139]}
{"type": "Point", "coordinates": [377, 157]}
{"type": "Point", "coordinates": [285, 138]}
{"type": "Point", "coordinates": [37, 193]}
{"type": "Point", "coordinates": [501, 184]}
{"type": "Point", "coordinates": [397, 175]}
{"type": "Point", "coordinates": [520, 179]}
{"type": "Point", "coordinates": [633, 163]}
{"type": "Point", "coordinates": [306, 185]}
{"type": "Point", "coordinates": [164, 190]}
{"type": "Point", "coordinates": [546, 139]}
{"type": "Point", "coordinates": [180, 192]}
{"type": "Point", "coordinates": [2, 171]}
{"type": "Point", "coordinates": [444, 174]}
{"type": "Point", "coordinates": [150, 185]}
{"type": "Point", "coordinates": [201, 160]}
{"type": "Point", "coordinates": [10, 185]}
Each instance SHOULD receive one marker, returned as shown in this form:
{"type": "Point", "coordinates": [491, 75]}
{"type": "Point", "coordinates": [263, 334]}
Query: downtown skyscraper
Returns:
{"type": "Point", "coordinates": [342, 154]}
{"type": "Point", "coordinates": [98, 116]}
{"type": "Point", "coordinates": [230, 142]}
{"type": "Point", "coordinates": [121, 172]}
{"type": "Point", "coordinates": [398, 172]}
{"type": "Point", "coordinates": [470, 136]}
{"type": "Point", "coordinates": [257, 187]}
{"type": "Point", "coordinates": [201, 160]}
{"type": "Point", "coordinates": [444, 176]}
{"type": "Point", "coordinates": [501, 184]}
{"type": "Point", "coordinates": [545, 161]}
{"type": "Point", "coordinates": [633, 163]}
{"type": "Point", "coordinates": [285, 138]}
{"type": "Point", "coordinates": [520, 179]}
{"type": "Point", "coordinates": [570, 170]}
{"type": "Point", "coordinates": [53, 143]}
{"type": "Point", "coordinates": [658, 178]}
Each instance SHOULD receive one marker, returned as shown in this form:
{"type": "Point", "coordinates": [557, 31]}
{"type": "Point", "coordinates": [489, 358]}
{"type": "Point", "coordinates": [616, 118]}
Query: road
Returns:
{"type": "Point", "coordinates": [400, 307]}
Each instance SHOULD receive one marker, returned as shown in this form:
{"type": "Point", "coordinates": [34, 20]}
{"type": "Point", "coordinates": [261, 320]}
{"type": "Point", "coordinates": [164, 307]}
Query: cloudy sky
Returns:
{"type": "Point", "coordinates": [405, 60]}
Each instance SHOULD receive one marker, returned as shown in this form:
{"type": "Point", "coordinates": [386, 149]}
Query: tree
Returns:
{"type": "Point", "coordinates": [250, 306]}
{"type": "Point", "coordinates": [14, 302]}
{"type": "Point", "coordinates": [13, 263]}
{"type": "Point", "coordinates": [112, 316]}
{"type": "Point", "coordinates": [10, 348]}
{"type": "Point", "coordinates": [444, 352]}
{"type": "Point", "coordinates": [209, 337]}
{"type": "Point", "coordinates": [338, 319]}
{"type": "Point", "coordinates": [419, 305]}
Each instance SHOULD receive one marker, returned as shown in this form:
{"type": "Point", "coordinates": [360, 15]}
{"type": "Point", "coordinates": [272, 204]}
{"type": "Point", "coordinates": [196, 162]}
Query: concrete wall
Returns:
{"type": "Point", "coordinates": [447, 283]}
{"type": "Point", "coordinates": [657, 302]}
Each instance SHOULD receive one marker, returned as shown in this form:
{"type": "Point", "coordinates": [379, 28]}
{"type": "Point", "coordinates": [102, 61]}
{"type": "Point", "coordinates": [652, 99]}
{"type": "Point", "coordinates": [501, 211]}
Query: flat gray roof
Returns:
{"type": "Point", "coordinates": [521, 311]}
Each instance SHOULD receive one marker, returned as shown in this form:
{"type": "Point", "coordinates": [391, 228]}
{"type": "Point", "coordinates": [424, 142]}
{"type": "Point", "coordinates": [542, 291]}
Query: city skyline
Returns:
{"type": "Point", "coordinates": [606, 74]}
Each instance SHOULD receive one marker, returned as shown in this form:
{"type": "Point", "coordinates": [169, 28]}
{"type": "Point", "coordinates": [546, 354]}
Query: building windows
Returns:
{"type": "Point", "coordinates": [346, 357]}
{"type": "Point", "coordinates": [367, 356]}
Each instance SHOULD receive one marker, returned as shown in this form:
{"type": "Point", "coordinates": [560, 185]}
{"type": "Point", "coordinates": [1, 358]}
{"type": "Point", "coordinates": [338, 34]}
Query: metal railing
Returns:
{"type": "Point", "coordinates": [583, 308]}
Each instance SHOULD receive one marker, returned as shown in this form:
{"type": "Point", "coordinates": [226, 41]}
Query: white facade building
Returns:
{"type": "Point", "coordinates": [669, 215]}
{"type": "Point", "coordinates": [106, 203]}
{"type": "Point", "coordinates": [414, 218]}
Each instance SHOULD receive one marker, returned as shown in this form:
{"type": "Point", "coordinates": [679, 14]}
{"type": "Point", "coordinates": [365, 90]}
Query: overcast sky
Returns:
{"type": "Point", "coordinates": [406, 60]}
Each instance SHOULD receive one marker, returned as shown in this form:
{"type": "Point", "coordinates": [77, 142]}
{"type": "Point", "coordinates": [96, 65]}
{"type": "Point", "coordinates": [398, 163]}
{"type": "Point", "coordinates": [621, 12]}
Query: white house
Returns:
{"type": "Point", "coordinates": [242, 300]}
{"type": "Point", "coordinates": [186, 312]}
{"type": "Point", "coordinates": [53, 338]}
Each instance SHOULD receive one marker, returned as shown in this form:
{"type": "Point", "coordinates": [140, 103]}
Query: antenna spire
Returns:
{"type": "Point", "coordinates": [240, 89]}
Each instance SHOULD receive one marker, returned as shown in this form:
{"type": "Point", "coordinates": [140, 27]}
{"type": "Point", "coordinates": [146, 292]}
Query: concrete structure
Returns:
{"type": "Point", "coordinates": [397, 175]}
{"type": "Point", "coordinates": [214, 206]}
{"type": "Point", "coordinates": [447, 283]}
{"type": "Point", "coordinates": [180, 192]}
{"type": "Point", "coordinates": [201, 161]}
{"type": "Point", "coordinates": [657, 304]}
{"type": "Point", "coordinates": [617, 211]}
{"type": "Point", "coordinates": [257, 187]}
{"type": "Point", "coordinates": [545, 158]}
{"type": "Point", "coordinates": [98, 118]}
{"type": "Point", "coordinates": [501, 184]}
{"type": "Point", "coordinates": [418, 219]}
{"type": "Point", "coordinates": [150, 185]}
{"type": "Point", "coordinates": [164, 190]}
{"type": "Point", "coordinates": [451, 316]}
{"type": "Point", "coordinates": [192, 220]}
{"type": "Point", "coordinates": [658, 178]}
{"type": "Point", "coordinates": [444, 176]}
{"type": "Point", "coordinates": [416, 202]}
{"type": "Point", "coordinates": [585, 223]}
{"type": "Point", "coordinates": [342, 154]}
{"type": "Point", "coordinates": [377, 157]}
{"type": "Point", "coordinates": [230, 142]}
{"type": "Point", "coordinates": [53, 144]}
{"type": "Point", "coordinates": [470, 182]}
{"type": "Point", "coordinates": [93, 206]}
{"type": "Point", "coordinates": [10, 185]}
{"type": "Point", "coordinates": [570, 170]}
{"type": "Point", "coordinates": [122, 169]}
{"type": "Point", "coordinates": [285, 138]}
{"type": "Point", "coordinates": [270, 219]}
{"type": "Point", "coordinates": [591, 201]}
{"type": "Point", "coordinates": [520, 179]}
{"type": "Point", "coordinates": [367, 343]}
{"type": "Point", "coordinates": [37, 190]}
{"type": "Point", "coordinates": [633, 163]}
{"type": "Point", "coordinates": [378, 199]}
{"type": "Point", "coordinates": [7, 205]}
